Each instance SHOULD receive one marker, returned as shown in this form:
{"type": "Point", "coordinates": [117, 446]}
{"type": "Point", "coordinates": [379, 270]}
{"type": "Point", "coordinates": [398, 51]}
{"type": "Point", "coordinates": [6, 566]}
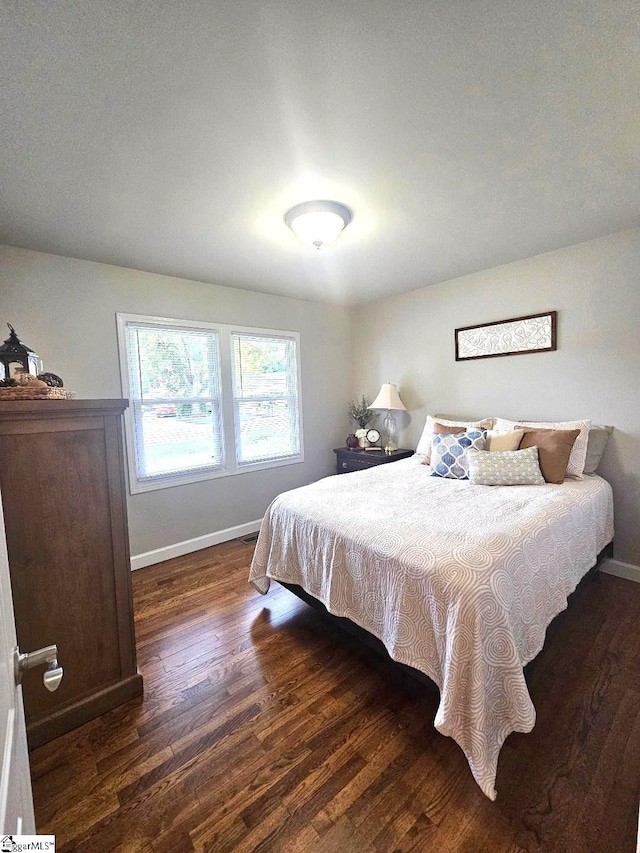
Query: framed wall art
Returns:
{"type": "Point", "coordinates": [516, 336]}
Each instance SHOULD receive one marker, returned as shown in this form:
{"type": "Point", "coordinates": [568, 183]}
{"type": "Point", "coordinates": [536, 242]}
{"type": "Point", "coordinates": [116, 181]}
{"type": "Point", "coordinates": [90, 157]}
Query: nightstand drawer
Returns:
{"type": "Point", "coordinates": [357, 460]}
{"type": "Point", "coordinates": [356, 464]}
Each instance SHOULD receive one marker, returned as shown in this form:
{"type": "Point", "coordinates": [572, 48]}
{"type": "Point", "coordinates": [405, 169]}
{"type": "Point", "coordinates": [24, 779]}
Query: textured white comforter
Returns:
{"type": "Point", "coordinates": [458, 581]}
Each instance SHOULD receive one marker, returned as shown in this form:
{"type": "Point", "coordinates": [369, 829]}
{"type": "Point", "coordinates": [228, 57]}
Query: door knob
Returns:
{"type": "Point", "coordinates": [47, 655]}
{"type": "Point", "coordinates": [52, 676]}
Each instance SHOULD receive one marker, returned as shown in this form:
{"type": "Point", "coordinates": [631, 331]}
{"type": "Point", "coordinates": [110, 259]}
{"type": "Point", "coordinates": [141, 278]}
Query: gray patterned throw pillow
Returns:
{"type": "Point", "coordinates": [505, 467]}
{"type": "Point", "coordinates": [449, 453]}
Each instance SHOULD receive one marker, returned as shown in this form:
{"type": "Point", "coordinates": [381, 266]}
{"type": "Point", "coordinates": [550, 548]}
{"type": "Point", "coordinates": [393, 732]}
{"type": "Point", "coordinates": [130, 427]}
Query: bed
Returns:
{"type": "Point", "coordinates": [458, 581]}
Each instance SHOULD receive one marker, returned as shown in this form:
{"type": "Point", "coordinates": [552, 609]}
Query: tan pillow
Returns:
{"type": "Point", "coordinates": [442, 429]}
{"type": "Point", "coordinates": [554, 449]}
{"type": "Point", "coordinates": [424, 444]}
{"type": "Point", "coordinates": [503, 440]}
{"type": "Point", "coordinates": [579, 452]}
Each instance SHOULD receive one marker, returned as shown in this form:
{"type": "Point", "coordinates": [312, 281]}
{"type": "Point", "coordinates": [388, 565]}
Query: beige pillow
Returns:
{"type": "Point", "coordinates": [505, 467]}
{"type": "Point", "coordinates": [503, 440]}
{"type": "Point", "coordinates": [554, 449]}
{"type": "Point", "coordinates": [424, 445]}
{"type": "Point", "coordinates": [579, 451]}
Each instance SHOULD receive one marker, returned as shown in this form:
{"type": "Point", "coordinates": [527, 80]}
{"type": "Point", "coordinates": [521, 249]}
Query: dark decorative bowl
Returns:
{"type": "Point", "coordinates": [51, 379]}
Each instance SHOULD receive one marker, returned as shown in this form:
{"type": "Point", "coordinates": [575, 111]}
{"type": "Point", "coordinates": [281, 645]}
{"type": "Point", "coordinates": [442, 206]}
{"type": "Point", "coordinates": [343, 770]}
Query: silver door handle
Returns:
{"type": "Point", "coordinates": [47, 655]}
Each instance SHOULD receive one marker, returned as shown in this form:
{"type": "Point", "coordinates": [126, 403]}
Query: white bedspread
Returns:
{"type": "Point", "coordinates": [458, 581]}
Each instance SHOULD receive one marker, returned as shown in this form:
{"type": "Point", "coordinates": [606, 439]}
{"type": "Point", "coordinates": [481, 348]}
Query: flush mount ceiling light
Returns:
{"type": "Point", "coordinates": [318, 222]}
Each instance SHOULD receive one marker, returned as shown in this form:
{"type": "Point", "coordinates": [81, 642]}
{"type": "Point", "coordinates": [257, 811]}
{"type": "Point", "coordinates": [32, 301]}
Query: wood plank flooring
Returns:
{"type": "Point", "coordinates": [264, 729]}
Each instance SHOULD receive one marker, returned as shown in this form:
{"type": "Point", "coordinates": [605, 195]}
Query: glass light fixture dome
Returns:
{"type": "Point", "coordinates": [318, 222]}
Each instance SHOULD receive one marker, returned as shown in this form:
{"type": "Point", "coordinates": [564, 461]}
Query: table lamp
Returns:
{"type": "Point", "coordinates": [389, 399]}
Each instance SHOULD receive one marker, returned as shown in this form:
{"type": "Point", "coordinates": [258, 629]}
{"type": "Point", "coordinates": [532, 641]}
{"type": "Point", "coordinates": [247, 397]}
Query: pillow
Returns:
{"type": "Point", "coordinates": [554, 450]}
{"type": "Point", "coordinates": [579, 450]}
{"type": "Point", "coordinates": [503, 440]}
{"type": "Point", "coordinates": [449, 453]}
{"type": "Point", "coordinates": [598, 438]}
{"type": "Point", "coordinates": [505, 468]}
{"type": "Point", "coordinates": [441, 429]}
{"type": "Point", "coordinates": [424, 445]}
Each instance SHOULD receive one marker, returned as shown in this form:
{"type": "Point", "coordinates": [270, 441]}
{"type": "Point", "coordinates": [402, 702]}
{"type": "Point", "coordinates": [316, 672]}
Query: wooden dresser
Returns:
{"type": "Point", "coordinates": [63, 492]}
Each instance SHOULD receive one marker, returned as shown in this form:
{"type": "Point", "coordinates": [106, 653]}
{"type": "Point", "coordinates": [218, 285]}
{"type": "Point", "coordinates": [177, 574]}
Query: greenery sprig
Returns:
{"type": "Point", "coordinates": [360, 412]}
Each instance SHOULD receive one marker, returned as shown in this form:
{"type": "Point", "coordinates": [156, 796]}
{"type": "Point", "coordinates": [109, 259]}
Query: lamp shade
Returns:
{"type": "Point", "coordinates": [318, 222]}
{"type": "Point", "coordinates": [388, 398]}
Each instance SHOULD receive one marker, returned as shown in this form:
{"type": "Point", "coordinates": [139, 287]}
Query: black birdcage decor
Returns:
{"type": "Point", "coordinates": [16, 357]}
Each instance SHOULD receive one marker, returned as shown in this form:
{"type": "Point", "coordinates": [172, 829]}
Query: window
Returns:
{"type": "Point", "coordinates": [207, 400]}
{"type": "Point", "coordinates": [265, 395]}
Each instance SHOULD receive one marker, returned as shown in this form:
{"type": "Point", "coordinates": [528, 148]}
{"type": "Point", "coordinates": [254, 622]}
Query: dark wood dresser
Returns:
{"type": "Point", "coordinates": [355, 460]}
{"type": "Point", "coordinates": [63, 493]}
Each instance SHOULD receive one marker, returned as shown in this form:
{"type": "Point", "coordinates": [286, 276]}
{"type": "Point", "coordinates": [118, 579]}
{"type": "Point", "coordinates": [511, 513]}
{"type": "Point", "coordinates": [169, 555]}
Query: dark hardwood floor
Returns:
{"type": "Point", "coordinates": [264, 729]}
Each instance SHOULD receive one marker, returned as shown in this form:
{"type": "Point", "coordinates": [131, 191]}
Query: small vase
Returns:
{"type": "Point", "coordinates": [362, 442]}
{"type": "Point", "coordinates": [352, 441]}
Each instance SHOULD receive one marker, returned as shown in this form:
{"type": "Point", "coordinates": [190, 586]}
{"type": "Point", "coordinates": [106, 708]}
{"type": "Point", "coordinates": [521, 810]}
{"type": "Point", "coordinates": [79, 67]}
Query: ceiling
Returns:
{"type": "Point", "coordinates": [173, 136]}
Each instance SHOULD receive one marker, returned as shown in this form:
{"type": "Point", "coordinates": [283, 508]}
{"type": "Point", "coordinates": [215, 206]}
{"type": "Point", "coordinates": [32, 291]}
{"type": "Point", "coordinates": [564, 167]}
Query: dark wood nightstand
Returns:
{"type": "Point", "coordinates": [355, 460]}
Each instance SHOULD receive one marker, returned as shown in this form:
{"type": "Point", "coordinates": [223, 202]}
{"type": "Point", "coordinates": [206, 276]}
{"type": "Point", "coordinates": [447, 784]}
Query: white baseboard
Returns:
{"type": "Point", "coordinates": [159, 555]}
{"type": "Point", "coordinates": [621, 570]}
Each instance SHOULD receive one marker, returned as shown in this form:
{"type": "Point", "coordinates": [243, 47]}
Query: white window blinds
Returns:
{"type": "Point", "coordinates": [266, 398]}
{"type": "Point", "coordinates": [174, 386]}
{"type": "Point", "coordinates": [207, 400]}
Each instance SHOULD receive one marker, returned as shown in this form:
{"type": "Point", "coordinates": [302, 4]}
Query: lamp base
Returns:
{"type": "Point", "coordinates": [390, 428]}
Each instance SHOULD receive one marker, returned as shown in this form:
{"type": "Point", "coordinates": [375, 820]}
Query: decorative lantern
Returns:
{"type": "Point", "coordinates": [16, 357]}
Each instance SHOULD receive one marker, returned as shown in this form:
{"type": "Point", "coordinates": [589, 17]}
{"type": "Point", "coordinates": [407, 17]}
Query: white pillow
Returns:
{"type": "Point", "coordinates": [497, 440]}
{"type": "Point", "coordinates": [578, 456]}
{"type": "Point", "coordinates": [424, 444]}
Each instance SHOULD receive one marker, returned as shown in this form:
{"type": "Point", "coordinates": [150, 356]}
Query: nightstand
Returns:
{"type": "Point", "coordinates": [355, 460]}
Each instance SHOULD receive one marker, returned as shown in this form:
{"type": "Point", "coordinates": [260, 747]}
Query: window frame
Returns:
{"type": "Point", "coordinates": [237, 333]}
{"type": "Point", "coordinates": [230, 465]}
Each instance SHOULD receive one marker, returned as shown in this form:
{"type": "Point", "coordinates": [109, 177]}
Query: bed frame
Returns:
{"type": "Point", "coordinates": [378, 646]}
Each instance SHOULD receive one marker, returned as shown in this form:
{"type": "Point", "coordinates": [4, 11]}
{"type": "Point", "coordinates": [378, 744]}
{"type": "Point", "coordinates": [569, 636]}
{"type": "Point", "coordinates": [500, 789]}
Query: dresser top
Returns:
{"type": "Point", "coordinates": [54, 408]}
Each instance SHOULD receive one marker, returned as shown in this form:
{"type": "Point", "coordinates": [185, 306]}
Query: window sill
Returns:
{"type": "Point", "coordinates": [168, 482]}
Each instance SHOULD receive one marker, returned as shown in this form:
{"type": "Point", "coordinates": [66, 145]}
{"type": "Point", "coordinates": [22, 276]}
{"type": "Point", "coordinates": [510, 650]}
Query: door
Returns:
{"type": "Point", "coordinates": [16, 803]}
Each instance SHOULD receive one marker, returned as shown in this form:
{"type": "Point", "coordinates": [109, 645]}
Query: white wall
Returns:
{"type": "Point", "coordinates": [65, 309]}
{"type": "Point", "coordinates": [595, 372]}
